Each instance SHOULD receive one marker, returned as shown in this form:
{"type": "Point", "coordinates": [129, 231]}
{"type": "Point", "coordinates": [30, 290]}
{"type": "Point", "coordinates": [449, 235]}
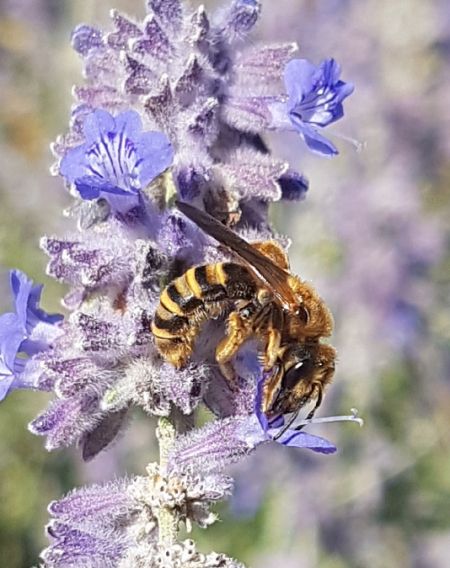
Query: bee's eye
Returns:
{"type": "Point", "coordinates": [295, 374]}
{"type": "Point", "coordinates": [303, 314]}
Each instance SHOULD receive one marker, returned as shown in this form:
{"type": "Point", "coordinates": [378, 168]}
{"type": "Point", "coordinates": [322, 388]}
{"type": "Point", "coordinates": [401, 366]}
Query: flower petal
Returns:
{"type": "Point", "coordinates": [299, 79]}
{"type": "Point", "coordinates": [11, 336]}
{"type": "Point", "coordinates": [73, 165]}
{"type": "Point", "coordinates": [12, 333]}
{"type": "Point", "coordinates": [98, 124]}
{"type": "Point", "coordinates": [129, 123]}
{"type": "Point", "coordinates": [330, 69]}
{"type": "Point", "coordinates": [38, 329]}
{"type": "Point", "coordinates": [155, 155]}
{"type": "Point", "coordinates": [315, 141]}
{"type": "Point", "coordinates": [299, 439]}
{"type": "Point", "coordinates": [21, 287]}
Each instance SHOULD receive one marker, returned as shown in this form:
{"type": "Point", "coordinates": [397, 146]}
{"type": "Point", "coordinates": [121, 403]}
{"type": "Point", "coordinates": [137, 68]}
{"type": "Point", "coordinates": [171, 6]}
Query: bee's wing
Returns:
{"type": "Point", "coordinates": [271, 275]}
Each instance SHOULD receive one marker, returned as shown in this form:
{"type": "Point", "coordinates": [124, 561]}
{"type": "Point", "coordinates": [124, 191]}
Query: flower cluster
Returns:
{"type": "Point", "coordinates": [117, 522]}
{"type": "Point", "coordinates": [174, 105]}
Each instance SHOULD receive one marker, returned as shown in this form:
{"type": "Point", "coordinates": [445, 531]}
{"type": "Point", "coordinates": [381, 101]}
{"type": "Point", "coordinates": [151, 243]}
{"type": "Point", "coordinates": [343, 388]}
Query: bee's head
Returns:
{"type": "Point", "coordinates": [307, 369]}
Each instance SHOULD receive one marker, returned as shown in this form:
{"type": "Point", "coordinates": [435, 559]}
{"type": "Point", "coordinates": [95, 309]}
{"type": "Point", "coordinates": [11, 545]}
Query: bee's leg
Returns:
{"type": "Point", "coordinates": [238, 331]}
{"type": "Point", "coordinates": [272, 348]}
{"type": "Point", "coordinates": [271, 388]}
{"type": "Point", "coordinates": [250, 320]}
{"type": "Point", "coordinates": [272, 327]}
{"type": "Point", "coordinates": [274, 252]}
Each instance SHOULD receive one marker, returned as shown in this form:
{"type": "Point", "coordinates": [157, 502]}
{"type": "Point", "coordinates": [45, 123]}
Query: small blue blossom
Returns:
{"type": "Point", "coordinates": [117, 157]}
{"type": "Point", "coordinates": [28, 331]}
{"type": "Point", "coordinates": [315, 100]}
{"type": "Point", "coordinates": [258, 430]}
{"type": "Point", "coordinates": [38, 326]}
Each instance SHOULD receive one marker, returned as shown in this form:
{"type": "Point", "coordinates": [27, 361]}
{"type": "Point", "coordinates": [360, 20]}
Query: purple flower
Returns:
{"type": "Point", "coordinates": [37, 324]}
{"type": "Point", "coordinates": [117, 157]}
{"type": "Point", "coordinates": [107, 525]}
{"type": "Point", "coordinates": [89, 526]}
{"type": "Point", "coordinates": [228, 440]}
{"type": "Point", "coordinates": [315, 99]}
{"type": "Point", "coordinates": [28, 331]}
{"type": "Point", "coordinates": [223, 442]}
{"type": "Point", "coordinates": [315, 96]}
{"type": "Point", "coordinates": [265, 431]}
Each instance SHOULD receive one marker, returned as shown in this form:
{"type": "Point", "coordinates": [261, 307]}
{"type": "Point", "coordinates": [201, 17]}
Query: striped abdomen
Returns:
{"type": "Point", "coordinates": [188, 301]}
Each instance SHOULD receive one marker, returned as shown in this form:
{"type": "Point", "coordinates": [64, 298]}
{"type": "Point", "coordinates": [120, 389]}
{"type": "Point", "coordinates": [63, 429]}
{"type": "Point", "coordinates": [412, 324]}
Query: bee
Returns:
{"type": "Point", "coordinates": [262, 300]}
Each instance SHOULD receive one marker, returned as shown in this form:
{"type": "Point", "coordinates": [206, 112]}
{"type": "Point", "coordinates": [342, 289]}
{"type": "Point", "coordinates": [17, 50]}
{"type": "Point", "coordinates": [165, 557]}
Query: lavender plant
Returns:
{"type": "Point", "coordinates": [174, 105]}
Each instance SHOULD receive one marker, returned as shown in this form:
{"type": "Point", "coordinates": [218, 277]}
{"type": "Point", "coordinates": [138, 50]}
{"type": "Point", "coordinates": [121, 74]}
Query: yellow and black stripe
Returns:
{"type": "Point", "coordinates": [191, 293]}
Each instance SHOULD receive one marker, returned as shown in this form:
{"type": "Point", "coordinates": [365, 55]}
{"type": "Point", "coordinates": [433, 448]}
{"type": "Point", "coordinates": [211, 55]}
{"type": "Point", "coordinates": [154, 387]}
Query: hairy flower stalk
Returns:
{"type": "Point", "coordinates": [173, 107]}
{"type": "Point", "coordinates": [167, 520]}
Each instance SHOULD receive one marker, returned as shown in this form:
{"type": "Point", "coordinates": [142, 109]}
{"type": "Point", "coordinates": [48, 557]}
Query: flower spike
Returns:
{"type": "Point", "coordinates": [174, 107]}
